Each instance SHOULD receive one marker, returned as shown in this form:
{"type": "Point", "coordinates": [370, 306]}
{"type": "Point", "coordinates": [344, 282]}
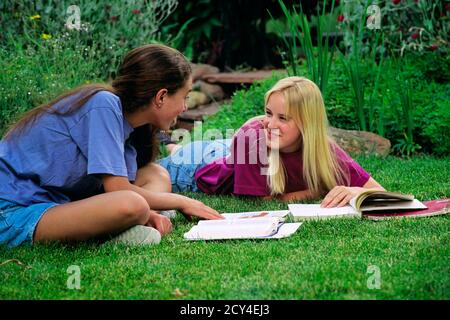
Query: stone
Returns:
{"type": "Point", "coordinates": [361, 142]}
{"type": "Point", "coordinates": [199, 113]}
{"type": "Point", "coordinates": [214, 91]}
{"type": "Point", "coordinates": [199, 70]}
{"type": "Point", "coordinates": [197, 98]}
{"type": "Point", "coordinates": [239, 77]}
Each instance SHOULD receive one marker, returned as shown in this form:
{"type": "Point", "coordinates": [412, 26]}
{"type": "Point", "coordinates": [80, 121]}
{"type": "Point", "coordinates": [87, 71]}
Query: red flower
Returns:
{"type": "Point", "coordinates": [340, 18]}
{"type": "Point", "coordinates": [114, 18]}
{"type": "Point", "coordinates": [136, 11]}
{"type": "Point", "coordinates": [447, 7]}
{"type": "Point", "coordinates": [396, 2]}
{"type": "Point", "coordinates": [434, 47]}
{"type": "Point", "coordinates": [336, 2]}
{"type": "Point", "coordinates": [414, 36]}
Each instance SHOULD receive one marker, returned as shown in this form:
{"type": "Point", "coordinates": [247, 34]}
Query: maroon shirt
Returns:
{"type": "Point", "coordinates": [242, 172]}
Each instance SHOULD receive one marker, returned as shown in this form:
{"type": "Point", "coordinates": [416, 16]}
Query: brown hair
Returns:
{"type": "Point", "coordinates": [143, 72]}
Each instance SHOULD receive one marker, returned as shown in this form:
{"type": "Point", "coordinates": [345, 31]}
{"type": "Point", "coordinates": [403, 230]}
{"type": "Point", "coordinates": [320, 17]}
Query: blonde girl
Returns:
{"type": "Point", "coordinates": [300, 160]}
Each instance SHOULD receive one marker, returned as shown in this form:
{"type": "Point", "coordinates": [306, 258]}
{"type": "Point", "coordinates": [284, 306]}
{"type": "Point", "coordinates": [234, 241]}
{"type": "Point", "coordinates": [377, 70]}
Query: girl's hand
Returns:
{"type": "Point", "coordinates": [339, 196]}
{"type": "Point", "coordinates": [159, 222]}
{"type": "Point", "coordinates": [197, 208]}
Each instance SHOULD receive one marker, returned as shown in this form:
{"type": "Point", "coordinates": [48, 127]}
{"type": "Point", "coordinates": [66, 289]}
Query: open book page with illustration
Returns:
{"type": "Point", "coordinates": [244, 225]}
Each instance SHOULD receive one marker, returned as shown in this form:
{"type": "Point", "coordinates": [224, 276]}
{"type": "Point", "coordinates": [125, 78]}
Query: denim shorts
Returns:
{"type": "Point", "coordinates": [183, 164]}
{"type": "Point", "coordinates": [18, 223]}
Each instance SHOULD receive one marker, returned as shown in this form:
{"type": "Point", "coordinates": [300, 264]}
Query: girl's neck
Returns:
{"type": "Point", "coordinates": [136, 119]}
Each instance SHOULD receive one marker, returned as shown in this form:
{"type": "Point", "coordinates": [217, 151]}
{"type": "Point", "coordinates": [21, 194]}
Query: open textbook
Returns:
{"type": "Point", "coordinates": [244, 225]}
{"type": "Point", "coordinates": [374, 205]}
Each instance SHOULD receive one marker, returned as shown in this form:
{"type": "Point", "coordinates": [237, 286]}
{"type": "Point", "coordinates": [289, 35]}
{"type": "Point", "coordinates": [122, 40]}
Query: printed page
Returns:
{"type": "Point", "coordinates": [396, 205]}
{"type": "Point", "coordinates": [286, 230]}
{"type": "Point", "coordinates": [314, 211]}
{"type": "Point", "coordinates": [234, 228]}
{"type": "Point", "coordinates": [256, 214]}
{"type": "Point", "coordinates": [373, 195]}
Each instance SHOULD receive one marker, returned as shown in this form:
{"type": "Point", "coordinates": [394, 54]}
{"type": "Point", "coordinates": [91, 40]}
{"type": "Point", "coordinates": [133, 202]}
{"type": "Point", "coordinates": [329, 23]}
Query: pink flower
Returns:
{"type": "Point", "coordinates": [340, 18]}
{"type": "Point", "coordinates": [136, 11]}
{"type": "Point", "coordinates": [414, 36]}
{"type": "Point", "coordinates": [434, 47]}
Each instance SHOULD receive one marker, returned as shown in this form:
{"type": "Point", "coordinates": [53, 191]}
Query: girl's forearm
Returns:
{"type": "Point", "coordinates": [156, 200]}
{"type": "Point", "coordinates": [160, 200]}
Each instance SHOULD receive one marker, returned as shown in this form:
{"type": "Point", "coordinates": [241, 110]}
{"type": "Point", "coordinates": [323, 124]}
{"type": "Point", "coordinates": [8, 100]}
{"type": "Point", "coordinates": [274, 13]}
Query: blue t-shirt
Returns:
{"type": "Point", "coordinates": [58, 157]}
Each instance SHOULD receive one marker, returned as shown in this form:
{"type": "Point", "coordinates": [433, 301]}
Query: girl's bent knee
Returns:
{"type": "Point", "coordinates": [134, 207]}
{"type": "Point", "coordinates": [162, 177]}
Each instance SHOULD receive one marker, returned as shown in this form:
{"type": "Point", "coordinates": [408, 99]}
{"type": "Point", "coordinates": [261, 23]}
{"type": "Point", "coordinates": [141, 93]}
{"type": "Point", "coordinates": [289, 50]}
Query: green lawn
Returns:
{"type": "Point", "coordinates": [323, 260]}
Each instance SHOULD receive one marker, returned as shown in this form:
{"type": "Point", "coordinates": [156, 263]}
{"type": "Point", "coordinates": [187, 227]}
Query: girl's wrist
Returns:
{"type": "Point", "coordinates": [180, 201]}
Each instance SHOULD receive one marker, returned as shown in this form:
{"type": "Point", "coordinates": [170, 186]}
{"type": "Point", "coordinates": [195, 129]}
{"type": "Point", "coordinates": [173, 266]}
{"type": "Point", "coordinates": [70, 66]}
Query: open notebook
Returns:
{"type": "Point", "coordinates": [244, 225]}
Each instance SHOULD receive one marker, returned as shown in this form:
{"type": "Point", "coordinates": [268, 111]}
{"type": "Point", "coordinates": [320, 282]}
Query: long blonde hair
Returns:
{"type": "Point", "coordinates": [321, 170]}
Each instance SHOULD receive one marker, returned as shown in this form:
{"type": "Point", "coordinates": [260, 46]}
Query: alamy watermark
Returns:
{"type": "Point", "coordinates": [373, 12]}
{"type": "Point", "coordinates": [74, 278]}
{"type": "Point", "coordinates": [74, 19]}
{"type": "Point", "coordinates": [374, 20]}
{"type": "Point", "coordinates": [374, 280]}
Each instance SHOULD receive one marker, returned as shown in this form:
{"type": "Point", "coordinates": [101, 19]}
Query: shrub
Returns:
{"type": "Point", "coordinates": [34, 76]}
{"type": "Point", "coordinates": [430, 113]}
{"type": "Point", "coordinates": [109, 28]}
{"type": "Point", "coordinates": [416, 27]}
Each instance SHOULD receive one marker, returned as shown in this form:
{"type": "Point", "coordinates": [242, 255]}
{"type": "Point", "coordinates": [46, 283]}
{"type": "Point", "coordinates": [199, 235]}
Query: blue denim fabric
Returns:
{"type": "Point", "coordinates": [183, 164]}
{"type": "Point", "coordinates": [17, 223]}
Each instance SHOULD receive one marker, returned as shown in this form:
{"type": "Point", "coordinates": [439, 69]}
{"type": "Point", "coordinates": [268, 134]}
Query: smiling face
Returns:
{"type": "Point", "coordinates": [168, 107]}
{"type": "Point", "coordinates": [282, 132]}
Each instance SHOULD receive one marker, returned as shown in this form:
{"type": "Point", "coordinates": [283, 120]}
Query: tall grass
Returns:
{"type": "Point", "coordinates": [319, 60]}
{"type": "Point", "coordinates": [364, 72]}
{"type": "Point", "coordinates": [405, 146]}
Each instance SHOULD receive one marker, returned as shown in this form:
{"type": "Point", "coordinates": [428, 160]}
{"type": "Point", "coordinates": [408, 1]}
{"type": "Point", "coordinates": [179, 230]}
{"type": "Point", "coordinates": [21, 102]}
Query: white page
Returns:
{"type": "Point", "coordinates": [286, 230]}
{"type": "Point", "coordinates": [234, 228]}
{"type": "Point", "coordinates": [314, 211]}
{"type": "Point", "coordinates": [256, 214]}
{"type": "Point", "coordinates": [245, 223]}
